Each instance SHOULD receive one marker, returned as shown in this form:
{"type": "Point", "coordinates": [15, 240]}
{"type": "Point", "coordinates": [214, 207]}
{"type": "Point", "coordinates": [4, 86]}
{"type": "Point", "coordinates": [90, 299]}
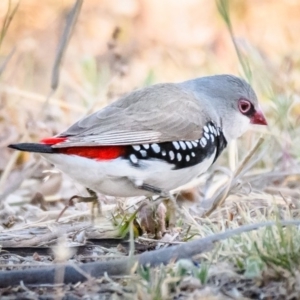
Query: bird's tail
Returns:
{"type": "Point", "coordinates": [33, 147]}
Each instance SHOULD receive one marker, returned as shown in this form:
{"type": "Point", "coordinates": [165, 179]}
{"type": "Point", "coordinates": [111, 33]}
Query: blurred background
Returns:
{"type": "Point", "coordinates": [119, 45]}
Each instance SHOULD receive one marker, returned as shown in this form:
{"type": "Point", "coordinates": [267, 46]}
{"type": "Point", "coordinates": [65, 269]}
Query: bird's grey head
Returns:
{"type": "Point", "coordinates": [232, 98]}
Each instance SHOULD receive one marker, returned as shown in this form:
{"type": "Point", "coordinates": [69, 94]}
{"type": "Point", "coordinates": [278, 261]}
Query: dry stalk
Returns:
{"type": "Point", "coordinates": [221, 195]}
{"type": "Point", "coordinates": [65, 38]}
{"type": "Point", "coordinates": [64, 41]}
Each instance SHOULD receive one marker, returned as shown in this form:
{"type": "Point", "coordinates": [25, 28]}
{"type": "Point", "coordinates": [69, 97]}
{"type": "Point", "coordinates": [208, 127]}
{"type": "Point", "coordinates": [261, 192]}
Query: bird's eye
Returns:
{"type": "Point", "coordinates": [245, 106]}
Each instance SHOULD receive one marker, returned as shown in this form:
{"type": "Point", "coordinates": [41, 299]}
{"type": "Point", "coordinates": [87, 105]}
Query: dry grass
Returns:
{"type": "Point", "coordinates": [115, 48]}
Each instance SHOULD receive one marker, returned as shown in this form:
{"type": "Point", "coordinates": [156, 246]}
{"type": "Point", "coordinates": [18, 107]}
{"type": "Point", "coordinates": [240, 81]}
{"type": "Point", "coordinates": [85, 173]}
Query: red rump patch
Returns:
{"type": "Point", "coordinates": [53, 140]}
{"type": "Point", "coordinates": [99, 153]}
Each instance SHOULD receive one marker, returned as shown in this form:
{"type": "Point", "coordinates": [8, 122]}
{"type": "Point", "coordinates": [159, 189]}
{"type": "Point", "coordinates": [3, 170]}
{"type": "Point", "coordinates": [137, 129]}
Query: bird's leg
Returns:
{"type": "Point", "coordinates": [92, 198]}
{"type": "Point", "coordinates": [96, 203]}
{"type": "Point", "coordinates": [154, 190]}
{"type": "Point", "coordinates": [172, 206]}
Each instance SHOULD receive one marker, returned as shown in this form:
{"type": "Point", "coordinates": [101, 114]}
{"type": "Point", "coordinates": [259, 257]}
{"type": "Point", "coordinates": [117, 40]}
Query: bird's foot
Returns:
{"type": "Point", "coordinates": [96, 204]}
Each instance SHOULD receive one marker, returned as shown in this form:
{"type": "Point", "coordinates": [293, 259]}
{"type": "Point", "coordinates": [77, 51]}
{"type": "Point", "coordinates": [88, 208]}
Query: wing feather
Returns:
{"type": "Point", "coordinates": [159, 113]}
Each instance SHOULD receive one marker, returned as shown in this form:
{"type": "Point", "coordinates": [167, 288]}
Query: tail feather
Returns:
{"type": "Point", "coordinates": [32, 147]}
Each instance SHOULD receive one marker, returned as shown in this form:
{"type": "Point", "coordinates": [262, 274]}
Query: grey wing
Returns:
{"type": "Point", "coordinates": [159, 113]}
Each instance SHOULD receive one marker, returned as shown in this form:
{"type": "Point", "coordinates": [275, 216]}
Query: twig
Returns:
{"type": "Point", "coordinates": [248, 157]}
{"type": "Point", "coordinates": [11, 90]}
{"type": "Point", "coordinates": [65, 38]}
{"type": "Point", "coordinates": [46, 275]}
{"type": "Point", "coordinates": [6, 60]}
{"type": "Point", "coordinates": [7, 20]}
{"type": "Point", "coordinates": [45, 238]}
{"type": "Point", "coordinates": [67, 33]}
{"type": "Point", "coordinates": [220, 196]}
{"type": "Point", "coordinates": [223, 8]}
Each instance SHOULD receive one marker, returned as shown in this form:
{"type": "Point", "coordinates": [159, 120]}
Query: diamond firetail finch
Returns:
{"type": "Point", "coordinates": [154, 139]}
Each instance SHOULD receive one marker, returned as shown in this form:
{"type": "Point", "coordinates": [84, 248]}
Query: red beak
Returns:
{"type": "Point", "coordinates": [258, 118]}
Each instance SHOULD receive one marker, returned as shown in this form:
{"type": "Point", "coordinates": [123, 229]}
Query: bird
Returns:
{"type": "Point", "coordinates": [154, 139]}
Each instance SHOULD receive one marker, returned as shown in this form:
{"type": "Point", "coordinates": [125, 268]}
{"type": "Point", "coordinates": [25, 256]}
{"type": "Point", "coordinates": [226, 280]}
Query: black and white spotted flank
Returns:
{"type": "Point", "coordinates": [182, 153]}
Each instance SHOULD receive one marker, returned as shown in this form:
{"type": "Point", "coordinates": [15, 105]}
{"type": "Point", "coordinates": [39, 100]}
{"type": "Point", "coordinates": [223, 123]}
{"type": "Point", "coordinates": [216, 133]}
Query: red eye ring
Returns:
{"type": "Point", "coordinates": [244, 106]}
